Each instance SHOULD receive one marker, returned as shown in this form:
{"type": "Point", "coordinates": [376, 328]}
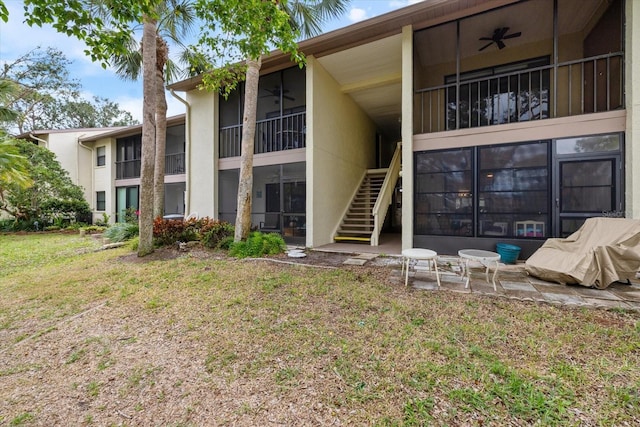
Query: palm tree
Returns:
{"type": "Point", "coordinates": [145, 246]}
{"type": "Point", "coordinates": [175, 21]}
{"type": "Point", "coordinates": [13, 166]}
{"type": "Point", "coordinates": [305, 16]}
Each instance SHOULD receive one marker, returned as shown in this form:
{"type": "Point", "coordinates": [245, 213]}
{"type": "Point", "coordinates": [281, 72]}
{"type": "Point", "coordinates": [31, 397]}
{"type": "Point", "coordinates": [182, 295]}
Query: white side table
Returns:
{"type": "Point", "coordinates": [483, 257]}
{"type": "Point", "coordinates": [419, 254]}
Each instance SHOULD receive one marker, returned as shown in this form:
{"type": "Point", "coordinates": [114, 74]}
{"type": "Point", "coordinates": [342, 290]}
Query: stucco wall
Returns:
{"type": "Point", "coordinates": [202, 191]}
{"type": "Point", "coordinates": [340, 147]}
{"type": "Point", "coordinates": [632, 93]}
{"type": "Point", "coordinates": [78, 161]}
{"type": "Point", "coordinates": [104, 178]}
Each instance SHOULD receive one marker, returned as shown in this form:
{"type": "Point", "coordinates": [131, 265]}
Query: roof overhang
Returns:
{"type": "Point", "coordinates": [420, 15]}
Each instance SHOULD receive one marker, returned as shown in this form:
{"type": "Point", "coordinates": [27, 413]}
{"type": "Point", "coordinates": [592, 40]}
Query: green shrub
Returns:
{"type": "Point", "coordinates": [93, 229]}
{"type": "Point", "coordinates": [217, 234]}
{"type": "Point", "coordinates": [258, 244]}
{"type": "Point", "coordinates": [121, 231]}
{"type": "Point", "coordinates": [76, 226]}
{"type": "Point", "coordinates": [170, 231]}
{"type": "Point", "coordinates": [134, 243]}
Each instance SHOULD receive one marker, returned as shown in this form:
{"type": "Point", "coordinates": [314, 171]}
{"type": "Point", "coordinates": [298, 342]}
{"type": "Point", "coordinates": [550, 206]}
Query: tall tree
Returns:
{"type": "Point", "coordinates": [250, 29]}
{"type": "Point", "coordinates": [46, 97]}
{"type": "Point", "coordinates": [175, 21]}
{"type": "Point", "coordinates": [13, 166]}
{"type": "Point", "coordinates": [51, 193]}
{"type": "Point", "coordinates": [148, 135]}
{"type": "Point", "coordinates": [105, 37]}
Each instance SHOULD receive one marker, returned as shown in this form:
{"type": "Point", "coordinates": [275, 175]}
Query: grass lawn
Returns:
{"type": "Point", "coordinates": [179, 339]}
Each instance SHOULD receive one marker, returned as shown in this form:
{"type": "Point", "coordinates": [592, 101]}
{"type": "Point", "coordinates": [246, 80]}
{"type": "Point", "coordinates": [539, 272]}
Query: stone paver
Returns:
{"type": "Point", "coordinates": [367, 256]}
{"type": "Point", "coordinates": [517, 286]}
{"type": "Point", "coordinates": [355, 261]}
{"type": "Point", "coordinates": [563, 298]}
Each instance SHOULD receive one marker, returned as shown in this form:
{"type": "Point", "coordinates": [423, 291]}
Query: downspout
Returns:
{"type": "Point", "coordinates": [46, 143]}
{"type": "Point", "coordinates": [92, 191]}
{"type": "Point", "coordinates": [187, 154]}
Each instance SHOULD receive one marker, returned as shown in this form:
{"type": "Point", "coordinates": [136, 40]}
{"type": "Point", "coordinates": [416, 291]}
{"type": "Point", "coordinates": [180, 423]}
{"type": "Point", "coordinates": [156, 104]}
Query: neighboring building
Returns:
{"type": "Point", "coordinates": [518, 120]}
{"type": "Point", "coordinates": [105, 162]}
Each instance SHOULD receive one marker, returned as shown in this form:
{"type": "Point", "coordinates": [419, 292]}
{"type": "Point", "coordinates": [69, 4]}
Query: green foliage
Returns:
{"type": "Point", "coordinates": [134, 243]}
{"type": "Point", "coordinates": [104, 221]}
{"type": "Point", "coordinates": [121, 231]}
{"type": "Point", "coordinates": [234, 30]}
{"type": "Point", "coordinates": [13, 166]}
{"type": "Point", "coordinates": [218, 235]}
{"type": "Point", "coordinates": [258, 244]}
{"type": "Point", "coordinates": [51, 197]}
{"type": "Point", "coordinates": [45, 96]}
{"type": "Point", "coordinates": [103, 35]}
{"type": "Point", "coordinates": [170, 231]}
{"type": "Point", "coordinates": [93, 229]}
{"type": "Point", "coordinates": [131, 215]}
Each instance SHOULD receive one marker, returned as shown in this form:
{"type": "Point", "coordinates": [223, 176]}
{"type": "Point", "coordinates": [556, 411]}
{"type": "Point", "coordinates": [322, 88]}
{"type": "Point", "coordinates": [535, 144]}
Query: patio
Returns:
{"type": "Point", "coordinates": [512, 281]}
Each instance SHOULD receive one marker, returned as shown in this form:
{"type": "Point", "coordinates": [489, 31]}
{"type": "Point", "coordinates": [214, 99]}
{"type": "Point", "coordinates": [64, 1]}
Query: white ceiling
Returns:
{"type": "Point", "coordinates": [370, 73]}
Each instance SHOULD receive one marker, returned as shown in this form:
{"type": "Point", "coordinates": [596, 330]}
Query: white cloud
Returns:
{"type": "Point", "coordinates": [132, 105]}
{"type": "Point", "coordinates": [356, 14]}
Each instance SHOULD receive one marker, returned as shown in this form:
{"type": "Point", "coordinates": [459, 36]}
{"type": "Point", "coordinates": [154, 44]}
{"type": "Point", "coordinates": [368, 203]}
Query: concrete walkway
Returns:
{"type": "Point", "coordinates": [512, 282]}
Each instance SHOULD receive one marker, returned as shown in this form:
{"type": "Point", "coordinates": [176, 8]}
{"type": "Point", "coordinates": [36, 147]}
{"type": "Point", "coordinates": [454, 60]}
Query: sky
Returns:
{"type": "Point", "coordinates": [17, 39]}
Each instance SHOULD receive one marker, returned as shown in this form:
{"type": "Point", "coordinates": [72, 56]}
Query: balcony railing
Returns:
{"type": "Point", "coordinates": [128, 169]}
{"type": "Point", "coordinates": [570, 88]}
{"type": "Point", "coordinates": [174, 165]}
{"type": "Point", "coordinates": [277, 134]}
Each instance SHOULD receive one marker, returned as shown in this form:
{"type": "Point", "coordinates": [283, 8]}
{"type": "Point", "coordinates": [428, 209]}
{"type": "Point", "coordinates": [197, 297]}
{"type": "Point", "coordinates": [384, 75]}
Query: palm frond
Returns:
{"type": "Point", "coordinates": [308, 16]}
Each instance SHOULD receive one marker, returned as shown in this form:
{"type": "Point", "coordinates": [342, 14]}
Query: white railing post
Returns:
{"type": "Point", "coordinates": [384, 197]}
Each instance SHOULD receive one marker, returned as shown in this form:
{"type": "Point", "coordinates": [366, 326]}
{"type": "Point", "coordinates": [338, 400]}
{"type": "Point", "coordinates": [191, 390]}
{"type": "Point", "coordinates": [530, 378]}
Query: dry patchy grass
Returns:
{"type": "Point", "coordinates": [94, 338]}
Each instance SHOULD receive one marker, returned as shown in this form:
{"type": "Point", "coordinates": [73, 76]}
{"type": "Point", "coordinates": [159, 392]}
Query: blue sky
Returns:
{"type": "Point", "coordinates": [16, 39]}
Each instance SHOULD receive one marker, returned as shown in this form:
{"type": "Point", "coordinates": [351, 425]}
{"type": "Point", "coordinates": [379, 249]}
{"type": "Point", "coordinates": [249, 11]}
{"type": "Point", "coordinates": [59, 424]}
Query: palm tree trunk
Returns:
{"type": "Point", "coordinates": [161, 129]}
{"type": "Point", "coordinates": [145, 246]}
{"type": "Point", "coordinates": [245, 184]}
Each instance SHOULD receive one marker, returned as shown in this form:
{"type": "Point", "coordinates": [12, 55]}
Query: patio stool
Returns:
{"type": "Point", "coordinates": [419, 255]}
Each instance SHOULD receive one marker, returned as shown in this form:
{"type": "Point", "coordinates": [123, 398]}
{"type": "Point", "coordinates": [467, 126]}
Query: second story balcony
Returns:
{"type": "Point", "coordinates": [277, 134]}
{"type": "Point", "coordinates": [589, 85]}
{"type": "Point", "coordinates": [174, 165]}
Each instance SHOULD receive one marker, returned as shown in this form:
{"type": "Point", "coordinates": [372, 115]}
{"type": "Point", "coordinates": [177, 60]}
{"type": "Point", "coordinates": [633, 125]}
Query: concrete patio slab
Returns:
{"type": "Point", "coordinates": [518, 286]}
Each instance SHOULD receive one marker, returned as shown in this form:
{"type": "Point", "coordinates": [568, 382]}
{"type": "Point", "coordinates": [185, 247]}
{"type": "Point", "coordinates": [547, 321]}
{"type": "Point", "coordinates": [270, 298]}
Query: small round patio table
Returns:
{"type": "Point", "coordinates": [484, 258]}
{"type": "Point", "coordinates": [419, 254]}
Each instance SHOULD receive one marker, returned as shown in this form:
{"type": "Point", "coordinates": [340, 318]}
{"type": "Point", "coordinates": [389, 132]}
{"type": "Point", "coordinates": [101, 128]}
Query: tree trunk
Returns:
{"type": "Point", "coordinates": [245, 184]}
{"type": "Point", "coordinates": [145, 246]}
{"type": "Point", "coordinates": [162, 52]}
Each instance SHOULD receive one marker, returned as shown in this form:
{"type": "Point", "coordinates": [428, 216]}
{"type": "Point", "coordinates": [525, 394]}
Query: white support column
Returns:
{"type": "Point", "coordinates": [632, 98]}
{"type": "Point", "coordinates": [407, 137]}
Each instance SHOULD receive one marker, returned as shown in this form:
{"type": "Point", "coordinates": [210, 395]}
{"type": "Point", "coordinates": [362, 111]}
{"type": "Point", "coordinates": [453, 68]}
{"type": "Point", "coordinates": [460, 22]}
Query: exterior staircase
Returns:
{"type": "Point", "coordinates": [363, 221]}
{"type": "Point", "coordinates": [358, 222]}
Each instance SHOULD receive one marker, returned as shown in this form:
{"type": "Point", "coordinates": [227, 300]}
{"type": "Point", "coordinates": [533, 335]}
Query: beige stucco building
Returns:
{"type": "Point", "coordinates": [517, 121]}
{"type": "Point", "coordinates": [105, 163]}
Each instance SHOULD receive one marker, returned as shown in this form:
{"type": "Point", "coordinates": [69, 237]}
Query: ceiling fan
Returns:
{"type": "Point", "coordinates": [275, 92]}
{"type": "Point", "coordinates": [499, 34]}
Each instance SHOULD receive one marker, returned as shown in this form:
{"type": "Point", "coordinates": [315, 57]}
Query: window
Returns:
{"type": "Point", "coordinates": [513, 190]}
{"type": "Point", "coordinates": [127, 202]}
{"type": "Point", "coordinates": [101, 156]}
{"type": "Point", "coordinates": [101, 198]}
{"type": "Point", "coordinates": [444, 186]}
{"type": "Point", "coordinates": [484, 191]}
{"type": "Point", "coordinates": [128, 155]}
